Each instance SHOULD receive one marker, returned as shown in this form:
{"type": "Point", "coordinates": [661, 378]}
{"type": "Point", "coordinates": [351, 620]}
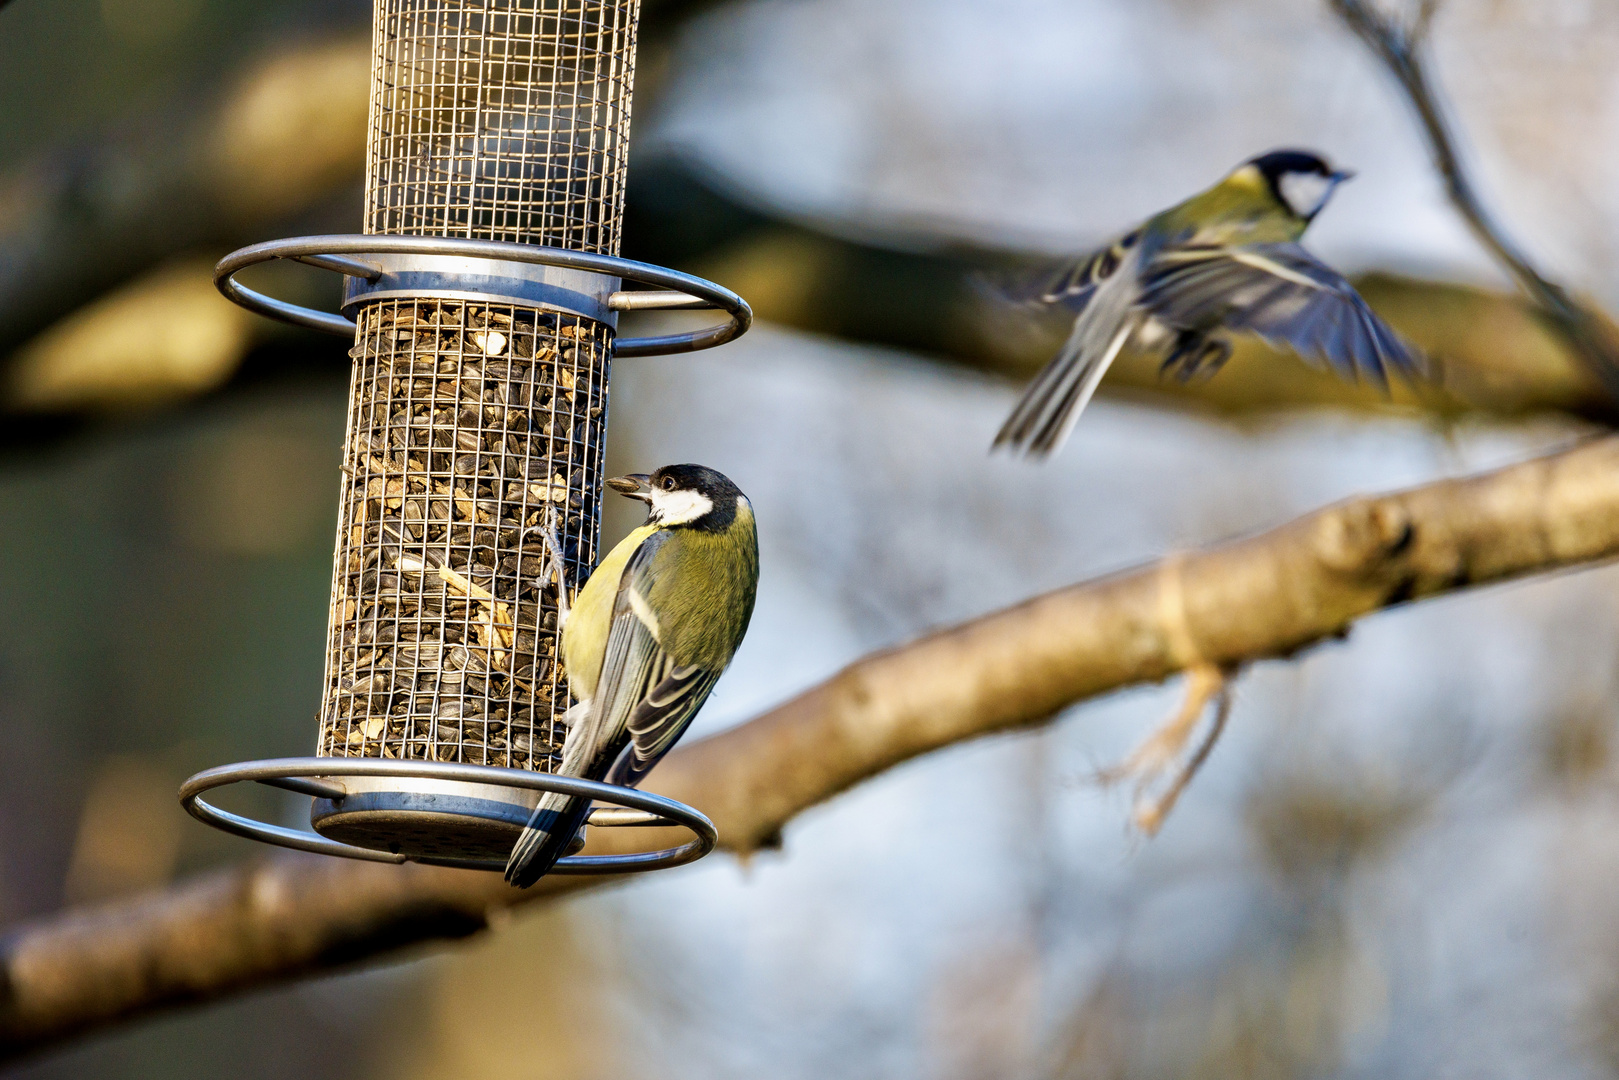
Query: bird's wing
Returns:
{"type": "Point", "coordinates": [1067, 284]}
{"type": "Point", "coordinates": [643, 695]}
{"type": "Point", "coordinates": [1075, 284]}
{"type": "Point", "coordinates": [662, 717]}
{"type": "Point", "coordinates": [1285, 295]}
{"type": "Point", "coordinates": [1051, 404]}
{"type": "Point", "coordinates": [644, 701]}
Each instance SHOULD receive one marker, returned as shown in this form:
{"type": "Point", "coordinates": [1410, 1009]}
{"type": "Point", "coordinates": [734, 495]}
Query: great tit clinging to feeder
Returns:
{"type": "Point", "coordinates": [1224, 260]}
{"type": "Point", "coordinates": [645, 641]}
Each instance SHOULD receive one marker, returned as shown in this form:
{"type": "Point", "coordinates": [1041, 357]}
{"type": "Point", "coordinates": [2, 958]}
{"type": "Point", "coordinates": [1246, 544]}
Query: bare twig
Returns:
{"type": "Point", "coordinates": [1149, 814]}
{"type": "Point", "coordinates": [1162, 754]}
{"type": "Point", "coordinates": [1401, 49]}
{"type": "Point", "coordinates": [1266, 596]}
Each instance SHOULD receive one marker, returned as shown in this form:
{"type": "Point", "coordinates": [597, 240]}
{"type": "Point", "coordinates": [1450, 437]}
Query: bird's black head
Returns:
{"type": "Point", "coordinates": [694, 496]}
{"type": "Point", "coordinates": [1299, 180]}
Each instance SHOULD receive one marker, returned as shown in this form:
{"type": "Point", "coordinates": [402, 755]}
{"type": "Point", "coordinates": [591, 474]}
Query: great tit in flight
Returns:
{"type": "Point", "coordinates": [1227, 259]}
{"type": "Point", "coordinates": [645, 641]}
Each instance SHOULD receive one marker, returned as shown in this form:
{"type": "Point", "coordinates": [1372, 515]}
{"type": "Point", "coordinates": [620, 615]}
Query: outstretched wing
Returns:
{"type": "Point", "coordinates": [1285, 295]}
{"type": "Point", "coordinates": [1075, 284]}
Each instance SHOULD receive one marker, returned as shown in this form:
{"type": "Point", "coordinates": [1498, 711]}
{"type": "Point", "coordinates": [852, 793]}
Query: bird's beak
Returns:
{"type": "Point", "coordinates": [1343, 174]}
{"type": "Point", "coordinates": [634, 486]}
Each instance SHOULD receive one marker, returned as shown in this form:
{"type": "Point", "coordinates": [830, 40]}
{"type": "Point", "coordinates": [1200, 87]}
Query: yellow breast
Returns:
{"type": "Point", "coordinates": [584, 638]}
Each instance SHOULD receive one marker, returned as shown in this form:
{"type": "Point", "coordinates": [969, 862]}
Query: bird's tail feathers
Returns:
{"type": "Point", "coordinates": [1051, 405]}
{"type": "Point", "coordinates": [546, 837]}
{"type": "Point", "coordinates": [556, 818]}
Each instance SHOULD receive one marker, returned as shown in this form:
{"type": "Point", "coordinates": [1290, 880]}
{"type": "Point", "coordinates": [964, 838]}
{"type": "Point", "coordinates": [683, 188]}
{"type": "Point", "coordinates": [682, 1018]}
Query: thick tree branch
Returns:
{"type": "Point", "coordinates": [1401, 49]}
{"type": "Point", "coordinates": [1265, 596]}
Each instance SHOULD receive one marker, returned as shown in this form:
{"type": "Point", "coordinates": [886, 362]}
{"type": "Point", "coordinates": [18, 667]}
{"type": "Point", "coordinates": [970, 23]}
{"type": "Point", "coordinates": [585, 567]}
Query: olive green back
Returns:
{"type": "Point", "coordinates": [709, 579]}
{"type": "Point", "coordinates": [1238, 210]}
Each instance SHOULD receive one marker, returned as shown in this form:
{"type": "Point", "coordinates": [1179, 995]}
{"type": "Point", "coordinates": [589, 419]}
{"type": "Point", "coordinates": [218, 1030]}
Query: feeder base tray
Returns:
{"type": "Point", "coordinates": [444, 813]}
{"type": "Point", "coordinates": [427, 818]}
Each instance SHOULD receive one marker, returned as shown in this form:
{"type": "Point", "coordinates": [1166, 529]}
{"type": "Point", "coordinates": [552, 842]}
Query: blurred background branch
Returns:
{"type": "Point", "coordinates": [277, 150]}
{"type": "Point", "coordinates": [1266, 596]}
{"type": "Point", "coordinates": [1401, 46]}
{"type": "Point", "coordinates": [279, 145]}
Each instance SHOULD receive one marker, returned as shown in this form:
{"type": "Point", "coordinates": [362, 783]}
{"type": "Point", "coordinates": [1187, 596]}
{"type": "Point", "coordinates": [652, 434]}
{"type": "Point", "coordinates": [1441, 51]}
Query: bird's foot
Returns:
{"type": "Point", "coordinates": [559, 570]}
{"type": "Point", "coordinates": [1163, 754]}
{"type": "Point", "coordinates": [1212, 359]}
{"type": "Point", "coordinates": [1195, 358]}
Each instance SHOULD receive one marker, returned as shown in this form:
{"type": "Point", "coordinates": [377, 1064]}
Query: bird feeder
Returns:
{"type": "Point", "coordinates": [483, 302]}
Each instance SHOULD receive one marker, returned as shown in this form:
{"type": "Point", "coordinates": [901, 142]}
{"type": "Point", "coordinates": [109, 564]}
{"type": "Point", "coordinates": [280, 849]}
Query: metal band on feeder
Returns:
{"type": "Point", "coordinates": [483, 301]}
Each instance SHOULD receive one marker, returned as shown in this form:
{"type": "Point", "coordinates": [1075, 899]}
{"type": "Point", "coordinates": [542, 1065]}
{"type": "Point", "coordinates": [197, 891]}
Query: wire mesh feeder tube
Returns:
{"type": "Point", "coordinates": [472, 430]}
{"type": "Point", "coordinates": [484, 294]}
{"type": "Point", "coordinates": [501, 119]}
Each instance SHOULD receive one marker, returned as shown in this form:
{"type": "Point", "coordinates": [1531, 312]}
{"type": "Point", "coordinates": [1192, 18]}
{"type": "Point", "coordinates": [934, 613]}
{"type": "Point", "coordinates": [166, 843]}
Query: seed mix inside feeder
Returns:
{"type": "Point", "coordinates": [485, 321]}
{"type": "Point", "coordinates": [473, 432]}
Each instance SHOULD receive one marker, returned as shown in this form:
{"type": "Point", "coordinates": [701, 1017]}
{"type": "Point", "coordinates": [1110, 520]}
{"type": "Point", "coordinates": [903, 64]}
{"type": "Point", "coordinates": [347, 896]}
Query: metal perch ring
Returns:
{"type": "Point", "coordinates": [312, 775]}
{"type": "Point", "coordinates": [583, 283]}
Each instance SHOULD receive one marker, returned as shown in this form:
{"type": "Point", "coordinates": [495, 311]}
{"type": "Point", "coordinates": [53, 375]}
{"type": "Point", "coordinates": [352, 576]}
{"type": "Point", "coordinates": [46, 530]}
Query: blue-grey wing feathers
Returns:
{"type": "Point", "coordinates": [660, 719]}
{"type": "Point", "coordinates": [1286, 296]}
{"type": "Point", "coordinates": [1074, 285]}
{"type": "Point", "coordinates": [1070, 285]}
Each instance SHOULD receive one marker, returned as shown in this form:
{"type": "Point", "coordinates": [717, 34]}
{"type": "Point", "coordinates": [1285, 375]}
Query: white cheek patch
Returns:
{"type": "Point", "coordinates": [1305, 193]}
{"type": "Point", "coordinates": [679, 507]}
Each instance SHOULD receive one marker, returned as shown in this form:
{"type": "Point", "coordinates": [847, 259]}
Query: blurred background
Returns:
{"type": "Point", "coordinates": [1398, 862]}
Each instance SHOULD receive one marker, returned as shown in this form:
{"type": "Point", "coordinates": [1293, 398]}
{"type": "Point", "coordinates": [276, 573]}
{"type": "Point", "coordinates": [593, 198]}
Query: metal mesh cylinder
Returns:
{"type": "Point", "coordinates": [472, 425]}
{"type": "Point", "coordinates": [501, 120]}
